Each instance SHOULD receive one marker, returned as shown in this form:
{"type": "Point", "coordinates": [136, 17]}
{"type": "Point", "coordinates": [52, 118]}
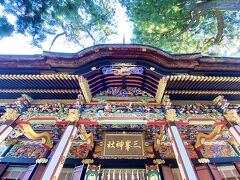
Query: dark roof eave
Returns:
{"type": "Point", "coordinates": [193, 62]}
{"type": "Point", "coordinates": [17, 57]}
{"type": "Point", "coordinates": [121, 47]}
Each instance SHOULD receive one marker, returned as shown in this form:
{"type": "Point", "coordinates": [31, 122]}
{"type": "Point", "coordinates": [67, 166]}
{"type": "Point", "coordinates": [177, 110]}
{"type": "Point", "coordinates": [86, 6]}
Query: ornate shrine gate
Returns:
{"type": "Point", "coordinates": [119, 112]}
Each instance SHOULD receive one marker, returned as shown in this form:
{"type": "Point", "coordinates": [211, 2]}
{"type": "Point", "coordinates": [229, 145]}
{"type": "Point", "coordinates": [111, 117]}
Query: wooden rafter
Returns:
{"type": "Point", "coordinates": [38, 76]}
{"type": "Point", "coordinates": [40, 91]}
{"type": "Point", "coordinates": [204, 78]}
{"type": "Point", "coordinates": [161, 88]}
{"type": "Point", "coordinates": [83, 83]}
{"type": "Point", "coordinates": [202, 92]}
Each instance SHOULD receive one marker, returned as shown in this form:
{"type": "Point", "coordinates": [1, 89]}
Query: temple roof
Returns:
{"type": "Point", "coordinates": [54, 75]}
{"type": "Point", "coordinates": [139, 54]}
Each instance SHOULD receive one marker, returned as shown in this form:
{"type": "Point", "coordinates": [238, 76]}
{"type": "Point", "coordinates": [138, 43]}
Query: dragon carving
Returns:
{"type": "Point", "coordinates": [31, 134]}
{"type": "Point", "coordinates": [86, 136]}
{"type": "Point", "coordinates": [201, 137]}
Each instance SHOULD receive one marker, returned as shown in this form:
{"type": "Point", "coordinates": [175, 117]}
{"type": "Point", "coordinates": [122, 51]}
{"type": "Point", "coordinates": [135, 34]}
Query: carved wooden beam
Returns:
{"type": "Point", "coordinates": [85, 89]}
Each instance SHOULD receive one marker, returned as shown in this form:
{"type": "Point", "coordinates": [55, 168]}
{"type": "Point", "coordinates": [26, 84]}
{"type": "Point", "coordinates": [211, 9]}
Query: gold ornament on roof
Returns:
{"type": "Point", "coordinates": [41, 160]}
{"type": "Point", "coordinates": [203, 160]}
{"type": "Point", "coordinates": [220, 101]}
{"type": "Point", "coordinates": [166, 101]}
{"type": "Point", "coordinates": [87, 161]}
{"type": "Point", "coordinates": [73, 115]}
{"type": "Point", "coordinates": [63, 160]}
{"type": "Point", "coordinates": [171, 115]}
{"type": "Point", "coordinates": [123, 71]}
{"type": "Point", "coordinates": [10, 114]}
{"type": "Point", "coordinates": [158, 161]}
{"type": "Point", "coordinates": [232, 116]}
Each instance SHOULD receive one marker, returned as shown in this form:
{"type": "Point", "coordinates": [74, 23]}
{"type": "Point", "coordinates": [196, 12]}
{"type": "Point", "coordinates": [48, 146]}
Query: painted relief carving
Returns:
{"type": "Point", "coordinates": [127, 92]}
{"type": "Point", "coordinates": [54, 110]}
{"type": "Point", "coordinates": [199, 111]}
{"type": "Point", "coordinates": [221, 103]}
{"type": "Point", "coordinates": [23, 103]}
{"type": "Point", "coordinates": [123, 70]}
{"type": "Point", "coordinates": [78, 150]}
{"type": "Point", "coordinates": [152, 172]}
{"type": "Point", "coordinates": [26, 150]}
{"type": "Point", "coordinates": [218, 149]}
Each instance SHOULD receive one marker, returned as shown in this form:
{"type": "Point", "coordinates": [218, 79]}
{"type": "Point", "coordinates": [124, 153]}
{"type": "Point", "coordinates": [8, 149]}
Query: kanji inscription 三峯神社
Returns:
{"type": "Point", "coordinates": [126, 145]}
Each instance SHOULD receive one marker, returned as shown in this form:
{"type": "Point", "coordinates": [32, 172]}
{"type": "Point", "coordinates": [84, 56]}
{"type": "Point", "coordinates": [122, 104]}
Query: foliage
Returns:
{"type": "Point", "coordinates": [185, 26]}
{"type": "Point", "coordinates": [178, 26]}
{"type": "Point", "coordinates": [78, 20]}
{"type": "Point", "coordinates": [6, 29]}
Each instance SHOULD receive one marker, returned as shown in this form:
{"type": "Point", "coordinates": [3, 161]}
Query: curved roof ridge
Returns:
{"type": "Point", "coordinates": [94, 48]}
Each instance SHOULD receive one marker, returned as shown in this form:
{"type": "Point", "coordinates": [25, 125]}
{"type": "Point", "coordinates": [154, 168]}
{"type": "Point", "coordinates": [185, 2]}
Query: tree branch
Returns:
{"type": "Point", "coordinates": [90, 35]}
{"type": "Point", "coordinates": [194, 19]}
{"type": "Point", "coordinates": [208, 41]}
{"type": "Point", "coordinates": [220, 26]}
{"type": "Point", "coordinates": [55, 38]}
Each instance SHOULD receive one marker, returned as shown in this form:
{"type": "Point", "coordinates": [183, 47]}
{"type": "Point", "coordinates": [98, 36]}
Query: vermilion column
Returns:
{"type": "Point", "coordinates": [184, 163]}
{"type": "Point", "coordinates": [57, 160]}
{"type": "Point", "coordinates": [235, 131]}
{"type": "Point", "coordinates": [11, 115]}
{"type": "Point", "coordinates": [5, 131]}
{"type": "Point", "coordinates": [7, 127]}
{"type": "Point", "coordinates": [233, 121]}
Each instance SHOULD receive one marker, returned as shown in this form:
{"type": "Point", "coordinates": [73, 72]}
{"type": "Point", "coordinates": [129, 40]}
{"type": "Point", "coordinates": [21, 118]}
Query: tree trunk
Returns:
{"type": "Point", "coordinates": [220, 25]}
{"type": "Point", "coordinates": [220, 5]}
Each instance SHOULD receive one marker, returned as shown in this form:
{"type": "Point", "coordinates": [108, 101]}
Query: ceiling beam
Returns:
{"type": "Point", "coordinates": [87, 94]}
{"type": "Point", "coordinates": [202, 92]}
{"type": "Point", "coordinates": [161, 88]}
